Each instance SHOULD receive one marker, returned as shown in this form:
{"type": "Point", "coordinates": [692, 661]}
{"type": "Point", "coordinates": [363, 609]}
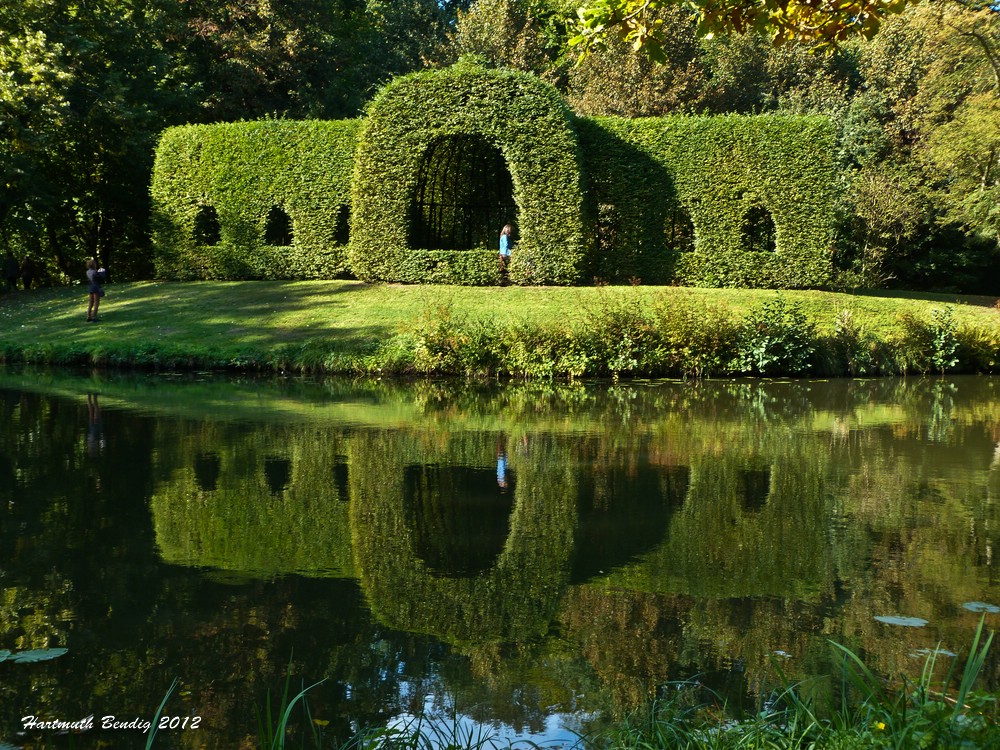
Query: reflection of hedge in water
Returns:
{"type": "Point", "coordinates": [460, 516]}
{"type": "Point", "coordinates": [751, 526]}
{"type": "Point", "coordinates": [512, 601]}
{"type": "Point", "coordinates": [263, 502]}
{"type": "Point", "coordinates": [625, 501]}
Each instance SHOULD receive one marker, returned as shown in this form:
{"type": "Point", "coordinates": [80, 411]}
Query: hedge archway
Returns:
{"type": "Point", "coordinates": [464, 192]}
{"type": "Point", "coordinates": [524, 120]}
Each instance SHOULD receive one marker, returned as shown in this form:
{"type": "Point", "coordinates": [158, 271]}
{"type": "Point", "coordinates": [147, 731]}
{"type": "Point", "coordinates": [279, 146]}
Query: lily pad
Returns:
{"type": "Point", "coordinates": [906, 622]}
{"type": "Point", "coordinates": [981, 607]}
{"type": "Point", "coordinates": [38, 654]}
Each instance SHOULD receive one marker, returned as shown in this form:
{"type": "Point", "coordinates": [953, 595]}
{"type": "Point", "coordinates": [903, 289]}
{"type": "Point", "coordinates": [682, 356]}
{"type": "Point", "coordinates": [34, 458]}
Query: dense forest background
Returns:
{"type": "Point", "coordinates": [86, 87]}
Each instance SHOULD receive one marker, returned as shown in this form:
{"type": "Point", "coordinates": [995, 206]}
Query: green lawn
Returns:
{"type": "Point", "coordinates": [222, 323]}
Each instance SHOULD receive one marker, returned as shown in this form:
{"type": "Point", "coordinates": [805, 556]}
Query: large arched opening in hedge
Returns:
{"type": "Point", "coordinates": [464, 194]}
{"type": "Point", "coordinates": [516, 120]}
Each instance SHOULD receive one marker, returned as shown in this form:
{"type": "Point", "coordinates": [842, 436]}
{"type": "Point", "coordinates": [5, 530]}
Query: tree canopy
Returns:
{"type": "Point", "coordinates": [87, 88]}
{"type": "Point", "coordinates": [823, 22]}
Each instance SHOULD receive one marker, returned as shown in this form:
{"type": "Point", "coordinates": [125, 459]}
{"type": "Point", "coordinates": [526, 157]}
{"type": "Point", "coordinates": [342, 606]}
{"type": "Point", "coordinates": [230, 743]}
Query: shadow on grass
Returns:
{"type": "Point", "coordinates": [220, 315]}
{"type": "Point", "coordinates": [976, 300]}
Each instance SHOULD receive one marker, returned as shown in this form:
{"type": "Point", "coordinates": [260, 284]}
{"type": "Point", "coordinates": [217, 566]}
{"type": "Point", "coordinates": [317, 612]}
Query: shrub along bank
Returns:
{"type": "Point", "coordinates": [348, 327]}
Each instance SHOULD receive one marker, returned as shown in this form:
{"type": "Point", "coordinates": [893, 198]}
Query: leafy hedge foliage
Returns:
{"type": "Point", "coordinates": [243, 172]}
{"type": "Point", "coordinates": [645, 175]}
{"type": "Point", "coordinates": [515, 112]}
{"type": "Point", "coordinates": [662, 200]}
{"type": "Point", "coordinates": [688, 338]}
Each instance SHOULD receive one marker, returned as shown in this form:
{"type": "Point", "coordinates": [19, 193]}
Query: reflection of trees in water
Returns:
{"type": "Point", "coordinates": [796, 521]}
{"type": "Point", "coordinates": [632, 641]}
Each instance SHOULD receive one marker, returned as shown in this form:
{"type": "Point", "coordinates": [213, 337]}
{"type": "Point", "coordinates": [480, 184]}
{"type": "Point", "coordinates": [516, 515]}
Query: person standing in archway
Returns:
{"type": "Point", "coordinates": [506, 245]}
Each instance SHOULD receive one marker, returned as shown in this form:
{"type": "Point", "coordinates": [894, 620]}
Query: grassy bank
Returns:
{"type": "Point", "coordinates": [350, 327]}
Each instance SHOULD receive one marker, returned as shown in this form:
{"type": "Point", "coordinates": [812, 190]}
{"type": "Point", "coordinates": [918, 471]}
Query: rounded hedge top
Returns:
{"type": "Point", "coordinates": [444, 154]}
{"type": "Point", "coordinates": [515, 112]}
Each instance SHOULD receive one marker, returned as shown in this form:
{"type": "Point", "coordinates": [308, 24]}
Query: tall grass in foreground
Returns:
{"type": "Point", "coordinates": [869, 714]}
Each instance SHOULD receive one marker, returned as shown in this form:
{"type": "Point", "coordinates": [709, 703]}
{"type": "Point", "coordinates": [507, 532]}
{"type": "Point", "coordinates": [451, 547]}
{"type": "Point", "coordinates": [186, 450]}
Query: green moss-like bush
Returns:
{"type": "Point", "coordinates": [244, 174]}
{"type": "Point", "coordinates": [514, 112]}
{"type": "Point", "coordinates": [646, 178]}
{"type": "Point", "coordinates": [446, 157]}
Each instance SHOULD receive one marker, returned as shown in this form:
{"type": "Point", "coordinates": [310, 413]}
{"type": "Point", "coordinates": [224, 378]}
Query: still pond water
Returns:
{"type": "Point", "coordinates": [532, 558]}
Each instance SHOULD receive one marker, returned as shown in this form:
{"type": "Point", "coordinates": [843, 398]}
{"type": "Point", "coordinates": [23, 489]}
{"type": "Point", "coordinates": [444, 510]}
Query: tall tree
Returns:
{"type": "Point", "coordinates": [821, 22]}
{"type": "Point", "coordinates": [527, 35]}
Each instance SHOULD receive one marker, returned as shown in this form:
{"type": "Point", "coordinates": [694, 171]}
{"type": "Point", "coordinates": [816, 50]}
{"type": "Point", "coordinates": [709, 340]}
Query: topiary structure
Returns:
{"type": "Point", "coordinates": [445, 158]}
{"type": "Point", "coordinates": [420, 131]}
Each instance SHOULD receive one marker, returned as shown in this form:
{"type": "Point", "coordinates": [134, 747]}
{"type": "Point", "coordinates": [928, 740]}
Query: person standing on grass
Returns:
{"type": "Point", "coordinates": [27, 272]}
{"type": "Point", "coordinates": [95, 277]}
{"type": "Point", "coordinates": [10, 270]}
{"type": "Point", "coordinates": [506, 245]}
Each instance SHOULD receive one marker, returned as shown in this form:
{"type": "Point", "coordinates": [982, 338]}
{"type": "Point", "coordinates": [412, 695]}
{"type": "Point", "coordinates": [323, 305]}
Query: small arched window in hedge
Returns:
{"type": "Point", "coordinates": [759, 234]}
{"type": "Point", "coordinates": [756, 485]}
{"type": "Point", "coordinates": [342, 234]}
{"type": "Point", "coordinates": [680, 230]}
{"type": "Point", "coordinates": [464, 195]}
{"type": "Point", "coordinates": [207, 230]}
{"type": "Point", "coordinates": [278, 230]}
{"type": "Point", "coordinates": [277, 472]}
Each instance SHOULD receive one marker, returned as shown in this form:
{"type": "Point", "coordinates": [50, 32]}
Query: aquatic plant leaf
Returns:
{"type": "Point", "coordinates": [981, 607]}
{"type": "Point", "coordinates": [906, 622]}
{"type": "Point", "coordinates": [4, 656]}
{"type": "Point", "coordinates": [5, 746]}
{"type": "Point", "coordinates": [38, 654]}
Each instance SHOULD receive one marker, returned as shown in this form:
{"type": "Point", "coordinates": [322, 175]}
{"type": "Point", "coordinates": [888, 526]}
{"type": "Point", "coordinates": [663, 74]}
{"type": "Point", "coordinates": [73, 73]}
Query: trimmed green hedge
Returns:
{"type": "Point", "coordinates": [242, 172]}
{"type": "Point", "coordinates": [525, 119]}
{"type": "Point", "coordinates": [645, 174]}
{"type": "Point", "coordinates": [700, 201]}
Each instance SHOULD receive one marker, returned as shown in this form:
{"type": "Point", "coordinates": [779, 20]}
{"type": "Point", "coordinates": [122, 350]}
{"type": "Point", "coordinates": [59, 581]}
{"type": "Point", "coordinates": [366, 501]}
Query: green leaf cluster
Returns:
{"type": "Point", "coordinates": [524, 118]}
{"type": "Point", "coordinates": [648, 177]}
{"type": "Point", "coordinates": [240, 173]}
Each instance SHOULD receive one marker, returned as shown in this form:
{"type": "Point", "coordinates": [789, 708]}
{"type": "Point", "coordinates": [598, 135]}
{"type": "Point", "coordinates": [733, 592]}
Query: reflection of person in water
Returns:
{"type": "Point", "coordinates": [502, 462]}
{"type": "Point", "coordinates": [95, 426]}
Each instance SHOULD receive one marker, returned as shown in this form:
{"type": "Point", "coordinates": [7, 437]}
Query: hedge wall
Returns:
{"type": "Point", "coordinates": [701, 201]}
{"type": "Point", "coordinates": [525, 119]}
{"type": "Point", "coordinates": [244, 172]}
{"type": "Point", "coordinates": [643, 175]}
